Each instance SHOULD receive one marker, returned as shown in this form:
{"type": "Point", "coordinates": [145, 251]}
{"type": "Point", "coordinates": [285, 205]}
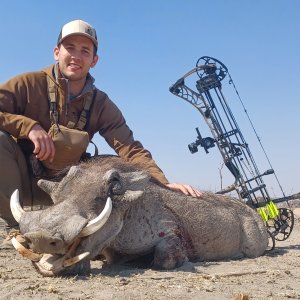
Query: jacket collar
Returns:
{"type": "Point", "coordinates": [54, 72]}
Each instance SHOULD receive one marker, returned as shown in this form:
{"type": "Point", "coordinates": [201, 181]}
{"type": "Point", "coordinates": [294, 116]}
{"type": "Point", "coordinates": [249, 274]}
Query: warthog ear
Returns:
{"type": "Point", "coordinates": [113, 180]}
{"type": "Point", "coordinates": [48, 186]}
{"type": "Point", "coordinates": [72, 172]}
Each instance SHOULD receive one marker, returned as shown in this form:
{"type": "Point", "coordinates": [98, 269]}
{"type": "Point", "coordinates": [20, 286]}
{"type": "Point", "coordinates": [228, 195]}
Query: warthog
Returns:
{"type": "Point", "coordinates": [110, 207]}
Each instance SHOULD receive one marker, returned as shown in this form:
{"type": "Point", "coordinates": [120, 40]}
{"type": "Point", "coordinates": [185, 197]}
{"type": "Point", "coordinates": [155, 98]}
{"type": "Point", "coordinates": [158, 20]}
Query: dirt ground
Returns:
{"type": "Point", "coordinates": [272, 276]}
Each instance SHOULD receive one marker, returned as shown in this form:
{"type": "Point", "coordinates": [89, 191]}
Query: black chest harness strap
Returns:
{"type": "Point", "coordinates": [83, 118]}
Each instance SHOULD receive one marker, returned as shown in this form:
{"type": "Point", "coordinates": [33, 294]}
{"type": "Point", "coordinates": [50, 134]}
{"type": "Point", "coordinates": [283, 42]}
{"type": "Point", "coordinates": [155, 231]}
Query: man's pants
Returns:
{"type": "Point", "coordinates": [14, 174]}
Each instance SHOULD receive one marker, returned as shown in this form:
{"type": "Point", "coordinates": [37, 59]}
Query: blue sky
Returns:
{"type": "Point", "coordinates": [145, 46]}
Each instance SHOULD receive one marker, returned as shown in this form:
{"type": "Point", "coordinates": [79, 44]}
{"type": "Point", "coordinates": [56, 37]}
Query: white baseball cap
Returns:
{"type": "Point", "coordinates": [78, 27]}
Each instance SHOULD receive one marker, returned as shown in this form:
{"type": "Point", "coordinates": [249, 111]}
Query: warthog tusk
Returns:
{"type": "Point", "coordinates": [44, 260]}
{"type": "Point", "coordinates": [24, 251]}
{"type": "Point", "coordinates": [15, 207]}
{"type": "Point", "coordinates": [49, 266]}
{"type": "Point", "coordinates": [71, 261]}
{"type": "Point", "coordinates": [99, 221]}
{"type": "Point", "coordinates": [49, 263]}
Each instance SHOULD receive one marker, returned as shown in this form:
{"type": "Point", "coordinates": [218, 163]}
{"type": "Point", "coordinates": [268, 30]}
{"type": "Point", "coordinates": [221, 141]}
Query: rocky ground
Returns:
{"type": "Point", "coordinates": [272, 276]}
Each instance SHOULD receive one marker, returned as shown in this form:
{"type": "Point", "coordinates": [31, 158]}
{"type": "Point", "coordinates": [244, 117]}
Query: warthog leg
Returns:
{"type": "Point", "coordinates": [169, 253]}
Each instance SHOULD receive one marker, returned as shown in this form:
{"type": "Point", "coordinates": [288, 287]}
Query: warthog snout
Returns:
{"type": "Point", "coordinates": [42, 242]}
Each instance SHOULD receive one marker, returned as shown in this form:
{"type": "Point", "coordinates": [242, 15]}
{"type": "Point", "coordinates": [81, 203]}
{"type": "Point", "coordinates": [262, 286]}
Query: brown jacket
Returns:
{"type": "Point", "coordinates": [24, 102]}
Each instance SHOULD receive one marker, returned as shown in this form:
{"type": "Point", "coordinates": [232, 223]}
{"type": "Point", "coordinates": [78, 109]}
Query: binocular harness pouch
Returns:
{"type": "Point", "coordinates": [70, 143]}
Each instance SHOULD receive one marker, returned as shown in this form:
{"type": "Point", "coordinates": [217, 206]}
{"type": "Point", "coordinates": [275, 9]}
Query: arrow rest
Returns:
{"type": "Point", "coordinates": [207, 97]}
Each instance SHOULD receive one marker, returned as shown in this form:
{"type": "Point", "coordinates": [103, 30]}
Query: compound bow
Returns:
{"type": "Point", "coordinates": [226, 134]}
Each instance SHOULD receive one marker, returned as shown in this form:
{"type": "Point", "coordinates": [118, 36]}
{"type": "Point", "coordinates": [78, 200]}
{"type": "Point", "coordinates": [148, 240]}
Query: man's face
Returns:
{"type": "Point", "coordinates": [75, 57]}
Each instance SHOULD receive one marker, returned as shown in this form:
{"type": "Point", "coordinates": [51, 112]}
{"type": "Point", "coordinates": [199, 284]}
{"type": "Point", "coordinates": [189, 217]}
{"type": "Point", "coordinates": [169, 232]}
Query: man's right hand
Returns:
{"type": "Point", "coordinates": [43, 144]}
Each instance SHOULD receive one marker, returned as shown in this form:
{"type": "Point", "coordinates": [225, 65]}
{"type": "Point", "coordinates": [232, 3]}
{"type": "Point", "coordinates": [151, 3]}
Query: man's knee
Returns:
{"type": "Point", "coordinates": [14, 173]}
{"type": "Point", "coordinates": [17, 176]}
{"type": "Point", "coordinates": [5, 140]}
{"type": "Point", "coordinates": [8, 146]}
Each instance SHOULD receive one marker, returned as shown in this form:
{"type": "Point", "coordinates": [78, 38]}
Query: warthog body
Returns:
{"type": "Point", "coordinates": [145, 218]}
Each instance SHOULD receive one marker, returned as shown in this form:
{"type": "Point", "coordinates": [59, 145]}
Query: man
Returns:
{"type": "Point", "coordinates": [61, 97]}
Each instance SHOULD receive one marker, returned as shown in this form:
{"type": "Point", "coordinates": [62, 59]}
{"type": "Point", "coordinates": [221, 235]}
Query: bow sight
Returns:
{"type": "Point", "coordinates": [249, 185]}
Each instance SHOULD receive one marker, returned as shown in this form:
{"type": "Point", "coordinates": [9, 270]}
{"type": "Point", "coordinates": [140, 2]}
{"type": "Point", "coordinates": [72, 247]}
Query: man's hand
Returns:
{"type": "Point", "coordinates": [185, 189]}
{"type": "Point", "coordinates": [43, 144]}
